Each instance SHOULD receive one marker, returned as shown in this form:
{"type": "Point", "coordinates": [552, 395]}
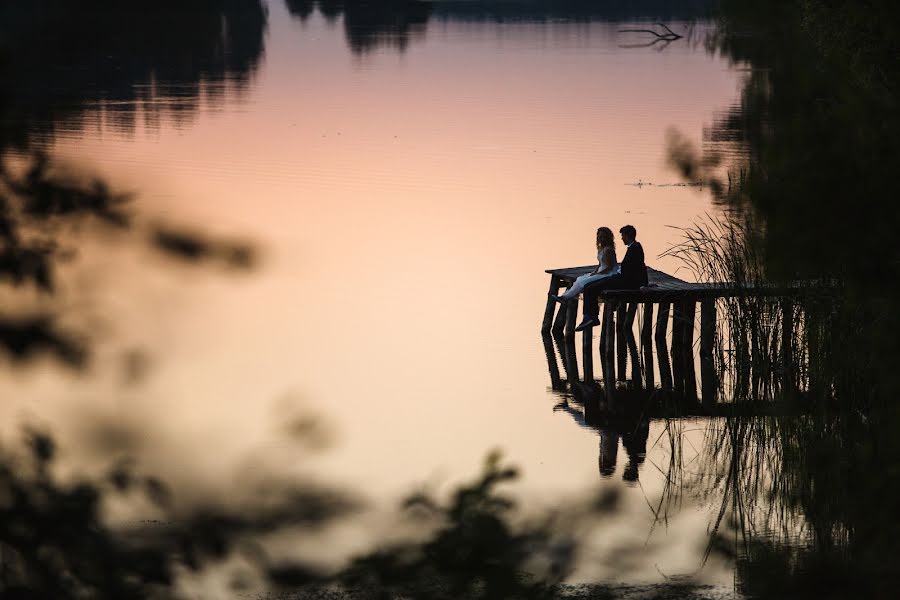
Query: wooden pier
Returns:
{"type": "Point", "coordinates": [676, 301]}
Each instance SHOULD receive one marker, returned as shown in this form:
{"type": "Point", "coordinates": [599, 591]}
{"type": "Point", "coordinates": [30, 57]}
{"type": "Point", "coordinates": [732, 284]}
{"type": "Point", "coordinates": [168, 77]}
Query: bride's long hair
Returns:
{"type": "Point", "coordinates": [605, 239]}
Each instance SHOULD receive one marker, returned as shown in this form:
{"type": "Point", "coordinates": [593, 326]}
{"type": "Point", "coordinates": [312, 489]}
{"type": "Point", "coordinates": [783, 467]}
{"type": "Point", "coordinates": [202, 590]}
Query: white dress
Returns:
{"type": "Point", "coordinates": [604, 258]}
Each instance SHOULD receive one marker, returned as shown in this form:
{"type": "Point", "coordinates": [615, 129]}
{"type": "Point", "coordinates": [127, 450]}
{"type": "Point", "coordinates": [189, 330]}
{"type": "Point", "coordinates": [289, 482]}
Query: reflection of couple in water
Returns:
{"type": "Point", "coordinates": [614, 421]}
{"type": "Point", "coordinates": [634, 440]}
{"type": "Point", "coordinates": [631, 274]}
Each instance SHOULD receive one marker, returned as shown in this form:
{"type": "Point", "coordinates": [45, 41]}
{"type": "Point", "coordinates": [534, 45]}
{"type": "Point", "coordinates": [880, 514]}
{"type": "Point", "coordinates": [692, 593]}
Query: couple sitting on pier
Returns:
{"type": "Point", "coordinates": [631, 274]}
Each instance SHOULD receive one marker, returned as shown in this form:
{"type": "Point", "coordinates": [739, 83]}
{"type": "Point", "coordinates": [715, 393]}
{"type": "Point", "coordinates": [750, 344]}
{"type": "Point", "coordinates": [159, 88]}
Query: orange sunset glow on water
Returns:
{"type": "Point", "coordinates": [403, 204]}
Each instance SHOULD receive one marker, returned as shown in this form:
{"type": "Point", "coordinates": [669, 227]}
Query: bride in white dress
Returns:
{"type": "Point", "coordinates": [606, 256]}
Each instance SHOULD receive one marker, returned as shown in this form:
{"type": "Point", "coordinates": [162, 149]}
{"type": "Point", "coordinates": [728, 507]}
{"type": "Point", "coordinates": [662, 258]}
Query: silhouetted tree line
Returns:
{"type": "Point", "coordinates": [818, 120]}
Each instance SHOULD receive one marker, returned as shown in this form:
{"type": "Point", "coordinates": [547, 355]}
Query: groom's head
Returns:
{"type": "Point", "coordinates": [629, 234]}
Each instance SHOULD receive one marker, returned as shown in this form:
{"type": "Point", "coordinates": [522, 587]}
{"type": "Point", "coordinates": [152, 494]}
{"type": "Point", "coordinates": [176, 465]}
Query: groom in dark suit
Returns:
{"type": "Point", "coordinates": [632, 276]}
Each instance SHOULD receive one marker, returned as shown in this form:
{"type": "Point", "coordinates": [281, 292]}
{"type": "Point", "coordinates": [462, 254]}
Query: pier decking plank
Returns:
{"type": "Point", "coordinates": [663, 286]}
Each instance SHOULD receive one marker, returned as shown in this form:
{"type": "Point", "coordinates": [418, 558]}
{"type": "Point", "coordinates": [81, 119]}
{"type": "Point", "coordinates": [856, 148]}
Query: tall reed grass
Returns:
{"type": "Point", "coordinates": [775, 339]}
{"type": "Point", "coordinates": [792, 481]}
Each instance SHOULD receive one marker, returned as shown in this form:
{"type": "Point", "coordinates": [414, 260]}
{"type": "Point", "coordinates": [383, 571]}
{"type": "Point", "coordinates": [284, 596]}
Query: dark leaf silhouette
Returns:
{"type": "Point", "coordinates": [25, 338]}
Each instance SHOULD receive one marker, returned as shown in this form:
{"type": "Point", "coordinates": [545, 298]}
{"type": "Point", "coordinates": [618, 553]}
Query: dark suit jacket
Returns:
{"type": "Point", "coordinates": [634, 271]}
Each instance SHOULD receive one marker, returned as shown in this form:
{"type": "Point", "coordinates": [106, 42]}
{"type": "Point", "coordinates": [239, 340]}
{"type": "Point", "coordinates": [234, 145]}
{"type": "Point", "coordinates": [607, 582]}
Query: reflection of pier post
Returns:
{"type": "Point", "coordinates": [555, 381]}
{"type": "Point", "coordinates": [709, 381]}
{"type": "Point", "coordinates": [591, 402]}
{"type": "Point", "coordinates": [571, 360]}
{"type": "Point", "coordinates": [562, 347]}
{"type": "Point", "coordinates": [609, 450]}
{"type": "Point", "coordinates": [662, 352]}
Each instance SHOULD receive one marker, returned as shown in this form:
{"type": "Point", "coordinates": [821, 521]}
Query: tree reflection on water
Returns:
{"type": "Point", "coordinates": [58, 59]}
{"type": "Point", "coordinates": [367, 25]}
{"type": "Point", "coordinates": [149, 58]}
{"type": "Point", "coordinates": [396, 23]}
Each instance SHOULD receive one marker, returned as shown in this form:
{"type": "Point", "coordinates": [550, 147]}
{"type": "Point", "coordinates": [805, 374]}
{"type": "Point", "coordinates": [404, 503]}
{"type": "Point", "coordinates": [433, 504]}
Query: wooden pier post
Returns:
{"type": "Point", "coordinates": [630, 314]}
{"type": "Point", "coordinates": [555, 285]}
{"type": "Point", "coordinates": [559, 324]}
{"type": "Point", "coordinates": [709, 380]}
{"type": "Point", "coordinates": [749, 365]}
{"type": "Point", "coordinates": [742, 364]}
{"type": "Point", "coordinates": [621, 347]}
{"type": "Point", "coordinates": [758, 366]}
{"type": "Point", "coordinates": [678, 320]}
{"type": "Point", "coordinates": [587, 355]}
{"type": "Point", "coordinates": [635, 358]}
{"type": "Point", "coordinates": [662, 351]}
{"type": "Point", "coordinates": [604, 306]}
{"type": "Point", "coordinates": [647, 344]}
{"type": "Point", "coordinates": [690, 372]}
{"type": "Point", "coordinates": [631, 343]}
{"type": "Point", "coordinates": [647, 323]}
{"type": "Point", "coordinates": [608, 339]}
{"type": "Point", "coordinates": [571, 316]}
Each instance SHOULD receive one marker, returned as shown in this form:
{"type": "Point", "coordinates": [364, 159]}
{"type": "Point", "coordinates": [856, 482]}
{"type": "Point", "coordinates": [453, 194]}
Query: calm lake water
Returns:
{"type": "Point", "coordinates": [405, 188]}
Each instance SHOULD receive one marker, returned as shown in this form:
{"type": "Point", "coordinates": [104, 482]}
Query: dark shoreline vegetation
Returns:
{"type": "Point", "coordinates": [819, 121]}
{"type": "Point", "coordinates": [809, 499]}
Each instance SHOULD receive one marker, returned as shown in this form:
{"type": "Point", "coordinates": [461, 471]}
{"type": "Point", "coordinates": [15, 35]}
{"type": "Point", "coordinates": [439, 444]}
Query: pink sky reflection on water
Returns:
{"type": "Point", "coordinates": [406, 206]}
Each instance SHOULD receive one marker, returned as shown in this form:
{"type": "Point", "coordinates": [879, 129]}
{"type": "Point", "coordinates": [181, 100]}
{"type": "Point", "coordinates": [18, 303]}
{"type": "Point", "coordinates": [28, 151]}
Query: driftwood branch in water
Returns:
{"type": "Point", "coordinates": [670, 36]}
